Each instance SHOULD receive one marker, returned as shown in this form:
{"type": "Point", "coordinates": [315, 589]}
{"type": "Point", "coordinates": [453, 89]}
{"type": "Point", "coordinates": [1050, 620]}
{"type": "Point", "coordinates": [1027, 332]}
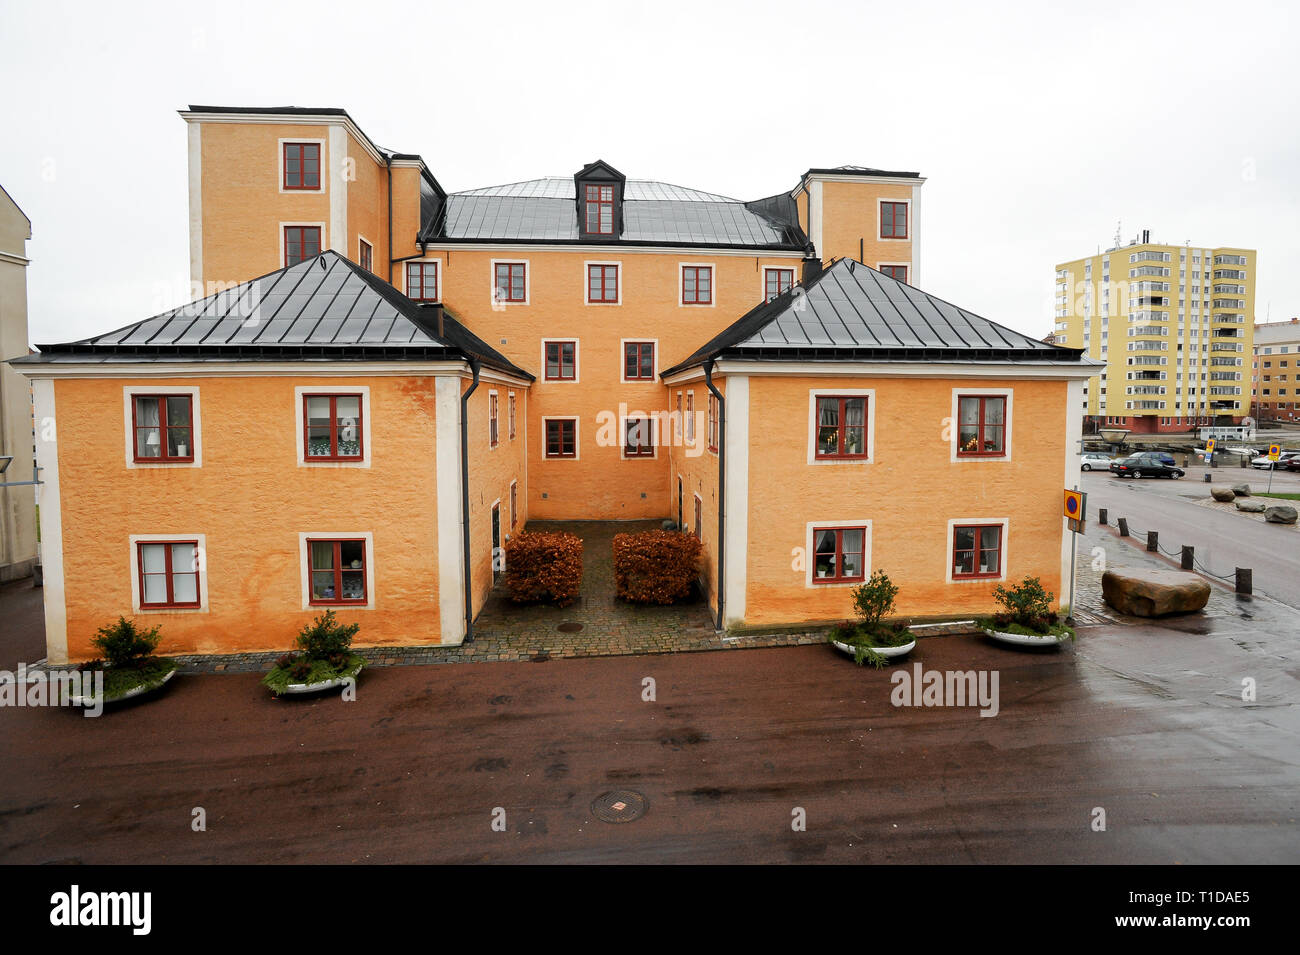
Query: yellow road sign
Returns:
{"type": "Point", "coordinates": [1073, 508]}
{"type": "Point", "coordinates": [1274, 452]}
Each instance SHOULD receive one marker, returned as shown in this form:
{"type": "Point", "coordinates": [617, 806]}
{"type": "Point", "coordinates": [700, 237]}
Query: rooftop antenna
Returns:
{"type": "Point", "coordinates": [1119, 233]}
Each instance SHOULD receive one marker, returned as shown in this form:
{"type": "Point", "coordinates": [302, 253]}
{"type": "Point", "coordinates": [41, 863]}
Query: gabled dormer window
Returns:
{"type": "Point", "coordinates": [598, 190]}
{"type": "Point", "coordinates": [600, 209]}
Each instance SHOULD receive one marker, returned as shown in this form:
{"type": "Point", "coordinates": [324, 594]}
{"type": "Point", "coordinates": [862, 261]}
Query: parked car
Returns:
{"type": "Point", "coordinates": [1291, 464]}
{"type": "Point", "coordinates": [1147, 464]}
{"type": "Point", "coordinates": [1264, 462]}
{"type": "Point", "coordinates": [1092, 461]}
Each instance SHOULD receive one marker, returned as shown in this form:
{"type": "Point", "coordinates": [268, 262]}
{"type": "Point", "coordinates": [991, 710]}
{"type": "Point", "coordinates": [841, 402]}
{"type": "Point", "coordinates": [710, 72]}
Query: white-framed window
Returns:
{"type": "Point", "coordinates": [560, 439]}
{"type": "Point", "coordinates": [422, 281]}
{"type": "Point", "coordinates": [329, 432]}
{"type": "Point", "coordinates": [494, 419]}
{"type": "Point", "coordinates": [162, 427]}
{"type": "Point", "coordinates": [776, 281]}
{"type": "Point", "coordinates": [560, 360]}
{"type": "Point", "coordinates": [337, 569]}
{"type": "Point", "coordinates": [640, 437]}
{"type": "Point", "coordinates": [695, 285]}
{"type": "Point", "coordinates": [638, 360]}
{"type": "Point", "coordinates": [510, 282]}
{"type": "Point", "coordinates": [838, 553]}
{"type": "Point", "coordinates": [169, 573]}
{"type": "Point", "coordinates": [977, 550]}
{"type": "Point", "coordinates": [841, 425]}
{"type": "Point", "coordinates": [603, 282]}
{"type": "Point", "coordinates": [981, 424]}
{"type": "Point", "coordinates": [302, 168]}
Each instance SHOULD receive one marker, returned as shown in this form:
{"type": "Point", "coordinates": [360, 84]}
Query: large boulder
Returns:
{"type": "Point", "coordinates": [1154, 593]}
{"type": "Point", "coordinates": [1222, 493]}
{"type": "Point", "coordinates": [1241, 490]}
{"type": "Point", "coordinates": [1280, 514]}
{"type": "Point", "coordinates": [1251, 507]}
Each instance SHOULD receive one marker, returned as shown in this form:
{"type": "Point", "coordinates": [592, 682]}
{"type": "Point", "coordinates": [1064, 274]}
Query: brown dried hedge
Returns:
{"type": "Point", "coordinates": [655, 566]}
{"type": "Point", "coordinates": [544, 565]}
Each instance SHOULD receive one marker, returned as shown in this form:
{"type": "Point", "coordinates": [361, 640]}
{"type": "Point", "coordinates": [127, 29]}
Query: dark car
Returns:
{"type": "Point", "coordinates": [1291, 464]}
{"type": "Point", "coordinates": [1147, 464]}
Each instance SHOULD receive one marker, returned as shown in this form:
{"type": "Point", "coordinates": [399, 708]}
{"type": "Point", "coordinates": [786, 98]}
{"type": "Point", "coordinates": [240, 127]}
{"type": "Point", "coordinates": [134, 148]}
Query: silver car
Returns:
{"type": "Point", "coordinates": [1093, 461]}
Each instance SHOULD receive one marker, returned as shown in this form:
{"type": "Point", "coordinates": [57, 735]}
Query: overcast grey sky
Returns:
{"type": "Point", "coordinates": [1038, 126]}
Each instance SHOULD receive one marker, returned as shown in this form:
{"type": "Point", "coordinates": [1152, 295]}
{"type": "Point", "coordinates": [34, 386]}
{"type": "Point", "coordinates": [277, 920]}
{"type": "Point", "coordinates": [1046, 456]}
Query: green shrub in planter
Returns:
{"type": "Point", "coordinates": [125, 646]}
{"type": "Point", "coordinates": [324, 653]}
{"type": "Point", "coordinates": [873, 599]}
{"type": "Point", "coordinates": [128, 661]}
{"type": "Point", "coordinates": [1027, 611]}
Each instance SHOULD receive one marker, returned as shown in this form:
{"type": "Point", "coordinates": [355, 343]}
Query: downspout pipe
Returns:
{"type": "Point", "coordinates": [722, 488]}
{"type": "Point", "coordinates": [475, 367]}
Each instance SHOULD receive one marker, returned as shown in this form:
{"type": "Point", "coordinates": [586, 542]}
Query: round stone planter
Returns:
{"type": "Point", "coordinates": [1026, 640]}
{"type": "Point", "coordinates": [295, 689]}
{"type": "Point", "coordinates": [886, 652]}
{"type": "Point", "coordinates": [128, 695]}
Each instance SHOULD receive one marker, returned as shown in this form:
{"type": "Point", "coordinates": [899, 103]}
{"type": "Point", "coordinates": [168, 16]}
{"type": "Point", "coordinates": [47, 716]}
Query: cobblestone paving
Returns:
{"type": "Point", "coordinates": [1130, 553]}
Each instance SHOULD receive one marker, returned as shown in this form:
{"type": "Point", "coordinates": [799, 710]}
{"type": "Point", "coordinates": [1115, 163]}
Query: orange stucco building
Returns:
{"type": "Point", "coordinates": [417, 373]}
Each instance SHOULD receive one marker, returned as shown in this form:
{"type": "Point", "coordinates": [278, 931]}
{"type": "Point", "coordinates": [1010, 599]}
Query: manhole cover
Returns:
{"type": "Point", "coordinates": [621, 805]}
{"type": "Point", "coordinates": [569, 627]}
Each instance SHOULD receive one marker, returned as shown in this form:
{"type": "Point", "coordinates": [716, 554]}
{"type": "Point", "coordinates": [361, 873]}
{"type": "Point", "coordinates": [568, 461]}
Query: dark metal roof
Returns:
{"type": "Point", "coordinates": [860, 171]}
{"type": "Point", "coordinates": [324, 308]}
{"type": "Point", "coordinates": [545, 210]}
{"type": "Point", "coordinates": [853, 313]}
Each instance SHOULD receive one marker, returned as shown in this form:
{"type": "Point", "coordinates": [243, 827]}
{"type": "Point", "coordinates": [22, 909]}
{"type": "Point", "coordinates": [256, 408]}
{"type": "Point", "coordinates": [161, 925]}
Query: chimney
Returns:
{"type": "Point", "coordinates": [812, 267]}
{"type": "Point", "coordinates": [436, 315]}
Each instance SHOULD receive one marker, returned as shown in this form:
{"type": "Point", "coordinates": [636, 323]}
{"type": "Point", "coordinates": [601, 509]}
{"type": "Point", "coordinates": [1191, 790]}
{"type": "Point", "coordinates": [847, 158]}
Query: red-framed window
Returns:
{"type": "Point", "coordinates": [697, 285]}
{"type": "Point", "coordinates": [302, 165]}
{"type": "Point", "coordinates": [494, 431]}
{"type": "Point", "coordinates": [713, 423]}
{"type": "Point", "coordinates": [514, 505]}
{"type": "Point", "coordinates": [976, 551]}
{"type": "Point", "coordinates": [164, 428]}
{"type": "Point", "coordinates": [600, 209]}
{"type": "Point", "coordinates": [895, 272]}
{"type": "Point", "coordinates": [776, 281]}
{"type": "Point", "coordinates": [511, 413]}
{"type": "Point", "coordinates": [561, 361]}
{"type": "Point", "coordinates": [301, 242]}
{"type": "Point", "coordinates": [562, 438]}
{"type": "Point", "coordinates": [169, 573]}
{"type": "Point", "coordinates": [699, 519]}
{"type": "Point", "coordinates": [841, 427]}
{"type": "Point", "coordinates": [602, 283]}
{"type": "Point", "coordinates": [338, 571]}
{"type": "Point", "coordinates": [511, 282]}
{"type": "Point", "coordinates": [332, 428]}
{"type": "Point", "coordinates": [365, 255]}
{"type": "Point", "coordinates": [638, 438]}
{"type": "Point", "coordinates": [639, 361]}
{"type": "Point", "coordinates": [422, 281]}
{"type": "Point", "coordinates": [838, 554]}
{"type": "Point", "coordinates": [690, 417]}
{"type": "Point", "coordinates": [893, 220]}
{"type": "Point", "coordinates": [981, 425]}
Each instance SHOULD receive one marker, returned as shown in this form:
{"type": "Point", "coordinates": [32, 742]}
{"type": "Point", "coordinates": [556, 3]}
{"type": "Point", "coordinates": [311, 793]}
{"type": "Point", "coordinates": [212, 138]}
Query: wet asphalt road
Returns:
{"type": "Point", "coordinates": [1223, 540]}
{"type": "Point", "coordinates": [1146, 724]}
